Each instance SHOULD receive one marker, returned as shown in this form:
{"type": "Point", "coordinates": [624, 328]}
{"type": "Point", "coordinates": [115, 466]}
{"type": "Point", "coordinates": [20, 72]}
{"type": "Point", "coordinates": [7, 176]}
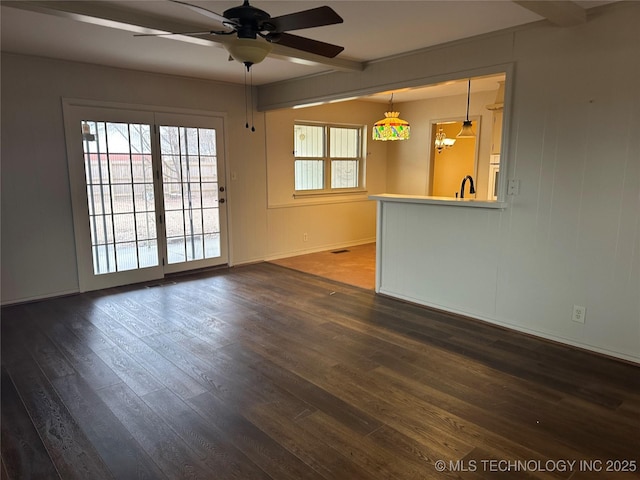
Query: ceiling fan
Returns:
{"type": "Point", "coordinates": [256, 30]}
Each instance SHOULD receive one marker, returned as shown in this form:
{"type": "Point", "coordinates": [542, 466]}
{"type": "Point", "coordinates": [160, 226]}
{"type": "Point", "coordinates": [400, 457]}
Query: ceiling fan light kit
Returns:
{"type": "Point", "coordinates": [247, 51]}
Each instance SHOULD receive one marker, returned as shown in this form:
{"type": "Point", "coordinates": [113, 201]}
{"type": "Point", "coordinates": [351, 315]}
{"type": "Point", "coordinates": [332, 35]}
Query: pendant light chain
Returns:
{"type": "Point", "coordinates": [468, 98]}
{"type": "Point", "coordinates": [467, 125]}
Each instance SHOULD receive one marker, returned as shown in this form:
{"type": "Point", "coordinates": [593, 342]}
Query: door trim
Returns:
{"type": "Point", "coordinates": [74, 111]}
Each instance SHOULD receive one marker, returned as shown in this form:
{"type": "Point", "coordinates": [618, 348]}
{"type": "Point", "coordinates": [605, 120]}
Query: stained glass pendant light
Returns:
{"type": "Point", "coordinates": [467, 130]}
{"type": "Point", "coordinates": [391, 127]}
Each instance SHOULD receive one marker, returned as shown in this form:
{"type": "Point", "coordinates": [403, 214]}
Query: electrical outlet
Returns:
{"type": "Point", "coordinates": [514, 187]}
{"type": "Point", "coordinates": [579, 312]}
{"type": "Point", "coordinates": [305, 237]}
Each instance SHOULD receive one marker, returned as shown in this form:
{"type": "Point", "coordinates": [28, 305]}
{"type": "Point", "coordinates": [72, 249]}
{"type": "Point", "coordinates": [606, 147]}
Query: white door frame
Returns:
{"type": "Point", "coordinates": [76, 110]}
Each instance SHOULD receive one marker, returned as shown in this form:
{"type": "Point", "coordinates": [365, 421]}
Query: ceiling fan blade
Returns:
{"type": "Point", "coordinates": [208, 13]}
{"type": "Point", "coordinates": [208, 32]}
{"type": "Point", "coordinates": [315, 17]}
{"type": "Point", "coordinates": [307, 45]}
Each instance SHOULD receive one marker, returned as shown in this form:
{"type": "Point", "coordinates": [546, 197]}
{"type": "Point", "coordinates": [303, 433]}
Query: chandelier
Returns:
{"type": "Point", "coordinates": [442, 141]}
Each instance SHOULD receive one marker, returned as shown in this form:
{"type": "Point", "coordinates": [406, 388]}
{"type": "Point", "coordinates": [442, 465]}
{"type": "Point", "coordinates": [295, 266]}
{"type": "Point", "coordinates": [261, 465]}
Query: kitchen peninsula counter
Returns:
{"type": "Point", "coordinates": [439, 252]}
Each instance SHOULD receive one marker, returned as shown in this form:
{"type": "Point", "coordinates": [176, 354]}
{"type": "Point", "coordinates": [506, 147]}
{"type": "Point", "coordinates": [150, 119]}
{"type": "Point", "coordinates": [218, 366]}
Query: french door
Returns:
{"type": "Point", "coordinates": [148, 193]}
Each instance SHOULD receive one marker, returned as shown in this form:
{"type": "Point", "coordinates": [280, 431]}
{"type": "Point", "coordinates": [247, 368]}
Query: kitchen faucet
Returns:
{"type": "Point", "coordinates": [472, 190]}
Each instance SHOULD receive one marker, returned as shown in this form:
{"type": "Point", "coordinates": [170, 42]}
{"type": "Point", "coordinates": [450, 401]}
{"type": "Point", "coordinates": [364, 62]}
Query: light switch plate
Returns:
{"type": "Point", "coordinates": [514, 187]}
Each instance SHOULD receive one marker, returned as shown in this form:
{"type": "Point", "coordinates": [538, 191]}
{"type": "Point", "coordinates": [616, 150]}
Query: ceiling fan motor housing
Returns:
{"type": "Point", "coordinates": [249, 20]}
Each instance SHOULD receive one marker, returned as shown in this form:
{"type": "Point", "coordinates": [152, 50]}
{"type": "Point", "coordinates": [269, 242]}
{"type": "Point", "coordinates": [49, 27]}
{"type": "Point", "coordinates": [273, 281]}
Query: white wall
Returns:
{"type": "Point", "coordinates": [38, 253]}
{"type": "Point", "coordinates": [572, 235]}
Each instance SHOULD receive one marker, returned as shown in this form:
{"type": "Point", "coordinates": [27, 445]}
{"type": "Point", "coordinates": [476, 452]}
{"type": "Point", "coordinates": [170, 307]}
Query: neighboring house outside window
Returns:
{"type": "Point", "coordinates": [328, 158]}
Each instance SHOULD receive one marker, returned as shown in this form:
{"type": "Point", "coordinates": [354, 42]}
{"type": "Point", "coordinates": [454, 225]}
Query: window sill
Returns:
{"type": "Point", "coordinates": [325, 198]}
{"type": "Point", "coordinates": [329, 193]}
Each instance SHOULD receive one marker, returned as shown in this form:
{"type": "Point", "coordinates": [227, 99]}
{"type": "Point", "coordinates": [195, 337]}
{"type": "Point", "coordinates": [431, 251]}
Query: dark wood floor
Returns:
{"type": "Point", "coordinates": [260, 372]}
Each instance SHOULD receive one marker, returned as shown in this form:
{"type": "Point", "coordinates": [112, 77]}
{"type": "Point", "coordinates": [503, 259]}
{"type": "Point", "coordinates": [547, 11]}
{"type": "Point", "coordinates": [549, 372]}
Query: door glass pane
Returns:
{"type": "Point", "coordinates": [190, 184]}
{"type": "Point", "coordinates": [119, 177]}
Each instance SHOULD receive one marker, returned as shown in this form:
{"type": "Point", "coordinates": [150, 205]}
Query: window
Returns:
{"type": "Point", "coordinates": [328, 158]}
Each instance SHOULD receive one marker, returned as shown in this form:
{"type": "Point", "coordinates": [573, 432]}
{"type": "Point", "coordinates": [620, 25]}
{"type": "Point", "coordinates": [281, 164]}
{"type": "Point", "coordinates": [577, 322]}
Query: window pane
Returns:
{"type": "Point", "coordinates": [192, 196]}
{"type": "Point", "coordinates": [344, 142]}
{"type": "Point", "coordinates": [193, 221]}
{"type": "Point", "coordinates": [122, 198]}
{"type": "Point", "coordinates": [195, 248]}
{"type": "Point", "coordinates": [104, 259]}
{"type": "Point", "coordinates": [176, 250]}
{"type": "Point", "coordinates": [309, 175]}
{"type": "Point", "coordinates": [208, 169]}
{"type": "Point", "coordinates": [308, 141]}
{"type": "Point", "coordinates": [101, 229]}
{"type": "Point", "coordinates": [117, 136]}
{"type": "Point", "coordinates": [344, 173]}
{"type": "Point", "coordinates": [146, 225]}
{"type": "Point", "coordinates": [211, 220]}
{"type": "Point", "coordinates": [99, 198]}
{"type": "Point", "coordinates": [124, 227]}
{"type": "Point", "coordinates": [191, 169]}
{"type": "Point", "coordinates": [169, 144]}
{"type": "Point", "coordinates": [140, 144]}
{"type": "Point", "coordinates": [143, 197]}
{"type": "Point", "coordinates": [209, 194]}
{"type": "Point", "coordinates": [126, 256]}
{"type": "Point", "coordinates": [212, 245]}
{"type": "Point", "coordinates": [96, 167]}
{"type": "Point", "coordinates": [174, 223]}
{"type": "Point", "coordinates": [191, 141]}
{"type": "Point", "coordinates": [207, 142]}
{"type": "Point", "coordinates": [148, 253]}
{"type": "Point", "coordinates": [120, 168]}
{"type": "Point", "coordinates": [142, 170]}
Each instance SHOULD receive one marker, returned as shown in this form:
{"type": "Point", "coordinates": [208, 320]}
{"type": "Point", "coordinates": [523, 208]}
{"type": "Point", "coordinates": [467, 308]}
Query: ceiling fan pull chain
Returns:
{"type": "Point", "coordinates": [253, 128]}
{"type": "Point", "coordinates": [246, 111]}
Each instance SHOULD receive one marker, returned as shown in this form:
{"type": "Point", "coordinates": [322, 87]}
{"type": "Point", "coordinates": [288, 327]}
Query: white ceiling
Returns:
{"type": "Point", "coordinates": [372, 29]}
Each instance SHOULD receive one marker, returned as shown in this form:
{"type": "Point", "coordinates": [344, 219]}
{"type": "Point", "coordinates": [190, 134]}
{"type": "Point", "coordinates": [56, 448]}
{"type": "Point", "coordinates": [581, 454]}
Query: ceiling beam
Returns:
{"type": "Point", "coordinates": [562, 13]}
{"type": "Point", "coordinates": [105, 15]}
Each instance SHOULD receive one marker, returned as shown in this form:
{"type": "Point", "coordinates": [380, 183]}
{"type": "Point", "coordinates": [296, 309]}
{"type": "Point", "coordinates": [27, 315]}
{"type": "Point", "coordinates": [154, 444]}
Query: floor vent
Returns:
{"type": "Point", "coordinates": [163, 284]}
{"type": "Point", "coordinates": [341, 251]}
